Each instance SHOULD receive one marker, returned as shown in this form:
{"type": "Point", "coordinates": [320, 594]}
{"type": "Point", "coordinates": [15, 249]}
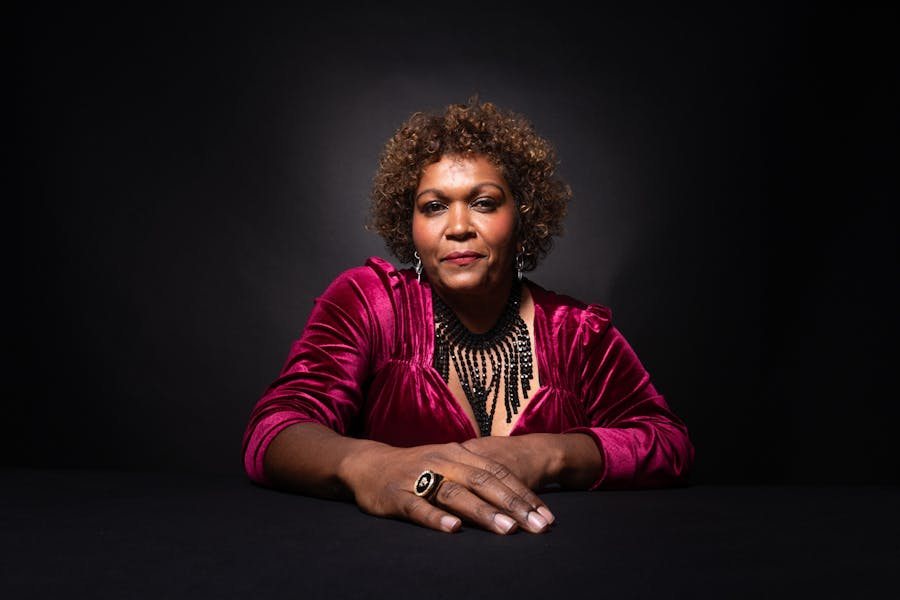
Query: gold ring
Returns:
{"type": "Point", "coordinates": [427, 484]}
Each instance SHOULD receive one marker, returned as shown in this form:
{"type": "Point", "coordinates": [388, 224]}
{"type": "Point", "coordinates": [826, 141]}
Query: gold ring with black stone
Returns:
{"type": "Point", "coordinates": [427, 484]}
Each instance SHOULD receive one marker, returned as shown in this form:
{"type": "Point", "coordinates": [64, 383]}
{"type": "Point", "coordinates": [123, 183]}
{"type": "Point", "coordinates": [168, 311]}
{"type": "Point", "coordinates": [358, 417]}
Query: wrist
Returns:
{"type": "Point", "coordinates": [582, 461]}
{"type": "Point", "coordinates": [357, 466]}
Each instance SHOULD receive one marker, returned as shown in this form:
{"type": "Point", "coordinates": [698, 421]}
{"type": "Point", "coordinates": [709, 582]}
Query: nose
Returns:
{"type": "Point", "coordinates": [459, 225]}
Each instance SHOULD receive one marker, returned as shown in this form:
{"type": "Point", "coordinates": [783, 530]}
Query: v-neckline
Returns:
{"type": "Point", "coordinates": [537, 360]}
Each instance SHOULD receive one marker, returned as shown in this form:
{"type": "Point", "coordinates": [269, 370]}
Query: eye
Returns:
{"type": "Point", "coordinates": [431, 207]}
{"type": "Point", "coordinates": [485, 203]}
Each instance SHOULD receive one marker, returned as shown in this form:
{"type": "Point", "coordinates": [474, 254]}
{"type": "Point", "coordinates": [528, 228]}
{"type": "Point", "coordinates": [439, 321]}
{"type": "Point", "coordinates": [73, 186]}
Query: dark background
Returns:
{"type": "Point", "coordinates": [185, 181]}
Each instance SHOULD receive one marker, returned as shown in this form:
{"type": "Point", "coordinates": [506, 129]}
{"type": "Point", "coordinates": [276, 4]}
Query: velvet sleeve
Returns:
{"type": "Point", "coordinates": [644, 444]}
{"type": "Point", "coordinates": [322, 379]}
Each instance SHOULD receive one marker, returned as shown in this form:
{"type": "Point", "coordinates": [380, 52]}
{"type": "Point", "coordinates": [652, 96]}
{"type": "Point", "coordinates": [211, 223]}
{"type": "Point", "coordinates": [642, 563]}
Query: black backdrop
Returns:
{"type": "Point", "coordinates": [185, 181]}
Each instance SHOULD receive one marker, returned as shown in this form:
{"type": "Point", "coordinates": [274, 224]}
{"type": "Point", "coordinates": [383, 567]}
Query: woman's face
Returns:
{"type": "Point", "coordinates": [464, 226]}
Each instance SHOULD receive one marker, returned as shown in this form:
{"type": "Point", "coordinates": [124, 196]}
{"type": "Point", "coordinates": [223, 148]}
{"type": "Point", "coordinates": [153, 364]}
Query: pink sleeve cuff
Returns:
{"type": "Point", "coordinates": [618, 460]}
{"type": "Point", "coordinates": [263, 434]}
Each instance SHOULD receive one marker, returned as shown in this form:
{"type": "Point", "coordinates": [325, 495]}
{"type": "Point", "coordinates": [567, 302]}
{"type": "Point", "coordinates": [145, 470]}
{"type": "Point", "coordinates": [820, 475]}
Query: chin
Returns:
{"type": "Point", "coordinates": [467, 283]}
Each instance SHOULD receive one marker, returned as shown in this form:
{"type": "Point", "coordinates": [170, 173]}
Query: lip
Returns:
{"type": "Point", "coordinates": [462, 258]}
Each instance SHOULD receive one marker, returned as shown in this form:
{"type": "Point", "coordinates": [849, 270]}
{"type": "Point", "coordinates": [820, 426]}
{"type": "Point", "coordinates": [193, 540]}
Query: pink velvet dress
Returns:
{"type": "Point", "coordinates": [363, 367]}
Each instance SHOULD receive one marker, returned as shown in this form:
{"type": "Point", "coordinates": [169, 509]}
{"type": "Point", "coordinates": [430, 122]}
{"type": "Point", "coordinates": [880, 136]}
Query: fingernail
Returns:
{"type": "Point", "coordinates": [537, 521]}
{"type": "Point", "coordinates": [546, 513]}
{"type": "Point", "coordinates": [506, 523]}
{"type": "Point", "coordinates": [449, 523]}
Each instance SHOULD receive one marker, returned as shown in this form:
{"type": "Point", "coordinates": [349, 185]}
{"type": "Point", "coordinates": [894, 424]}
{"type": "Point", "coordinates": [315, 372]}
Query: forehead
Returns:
{"type": "Point", "coordinates": [452, 170]}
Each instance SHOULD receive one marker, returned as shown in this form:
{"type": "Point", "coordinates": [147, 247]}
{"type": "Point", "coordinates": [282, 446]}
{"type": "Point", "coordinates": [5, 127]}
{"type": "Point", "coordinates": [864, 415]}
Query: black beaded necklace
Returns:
{"type": "Point", "coordinates": [506, 347]}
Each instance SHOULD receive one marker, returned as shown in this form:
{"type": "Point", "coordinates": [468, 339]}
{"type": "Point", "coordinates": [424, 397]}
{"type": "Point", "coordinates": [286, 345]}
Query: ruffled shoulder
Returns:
{"type": "Point", "coordinates": [561, 308]}
{"type": "Point", "coordinates": [381, 266]}
{"type": "Point", "coordinates": [399, 304]}
{"type": "Point", "coordinates": [389, 274]}
{"type": "Point", "coordinates": [374, 272]}
{"type": "Point", "coordinates": [568, 332]}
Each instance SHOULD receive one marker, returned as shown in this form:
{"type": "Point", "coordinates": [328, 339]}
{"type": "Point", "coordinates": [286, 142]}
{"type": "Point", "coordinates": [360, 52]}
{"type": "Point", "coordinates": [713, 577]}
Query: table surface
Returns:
{"type": "Point", "coordinates": [110, 534]}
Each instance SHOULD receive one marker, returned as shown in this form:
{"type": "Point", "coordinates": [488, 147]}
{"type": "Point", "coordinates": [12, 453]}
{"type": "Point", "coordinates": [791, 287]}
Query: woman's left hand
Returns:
{"type": "Point", "coordinates": [541, 459]}
{"type": "Point", "coordinates": [533, 458]}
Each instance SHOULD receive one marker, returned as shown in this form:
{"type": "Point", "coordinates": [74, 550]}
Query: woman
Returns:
{"type": "Point", "coordinates": [453, 391]}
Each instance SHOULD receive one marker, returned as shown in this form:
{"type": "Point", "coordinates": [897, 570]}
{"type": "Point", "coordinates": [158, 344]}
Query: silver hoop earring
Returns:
{"type": "Point", "coordinates": [418, 267]}
{"type": "Point", "coordinates": [520, 263]}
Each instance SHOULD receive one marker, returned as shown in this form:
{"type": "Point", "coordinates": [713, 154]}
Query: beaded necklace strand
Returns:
{"type": "Point", "coordinates": [506, 347]}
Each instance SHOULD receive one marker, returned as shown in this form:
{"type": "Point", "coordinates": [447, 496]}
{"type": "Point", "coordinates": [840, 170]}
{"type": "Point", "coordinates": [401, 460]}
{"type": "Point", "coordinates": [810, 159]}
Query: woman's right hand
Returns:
{"type": "Point", "coordinates": [474, 489]}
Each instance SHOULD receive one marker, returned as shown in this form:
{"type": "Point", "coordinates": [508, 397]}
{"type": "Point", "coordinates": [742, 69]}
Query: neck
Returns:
{"type": "Point", "coordinates": [479, 312]}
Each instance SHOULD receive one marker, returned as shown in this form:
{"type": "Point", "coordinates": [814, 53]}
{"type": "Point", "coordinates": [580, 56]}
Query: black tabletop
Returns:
{"type": "Point", "coordinates": [107, 534]}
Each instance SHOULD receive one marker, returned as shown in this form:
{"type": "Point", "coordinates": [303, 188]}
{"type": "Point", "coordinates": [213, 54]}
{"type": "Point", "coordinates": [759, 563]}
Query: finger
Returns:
{"type": "Point", "coordinates": [419, 510]}
{"type": "Point", "coordinates": [506, 476]}
{"type": "Point", "coordinates": [481, 497]}
{"type": "Point", "coordinates": [473, 509]}
{"type": "Point", "coordinates": [516, 505]}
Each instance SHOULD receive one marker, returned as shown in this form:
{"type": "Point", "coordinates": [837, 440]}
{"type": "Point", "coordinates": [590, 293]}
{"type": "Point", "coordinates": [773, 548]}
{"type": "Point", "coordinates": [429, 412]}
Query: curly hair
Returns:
{"type": "Point", "coordinates": [526, 160]}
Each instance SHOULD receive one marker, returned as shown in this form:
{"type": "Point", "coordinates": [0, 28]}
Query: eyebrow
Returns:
{"type": "Point", "coordinates": [475, 188]}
